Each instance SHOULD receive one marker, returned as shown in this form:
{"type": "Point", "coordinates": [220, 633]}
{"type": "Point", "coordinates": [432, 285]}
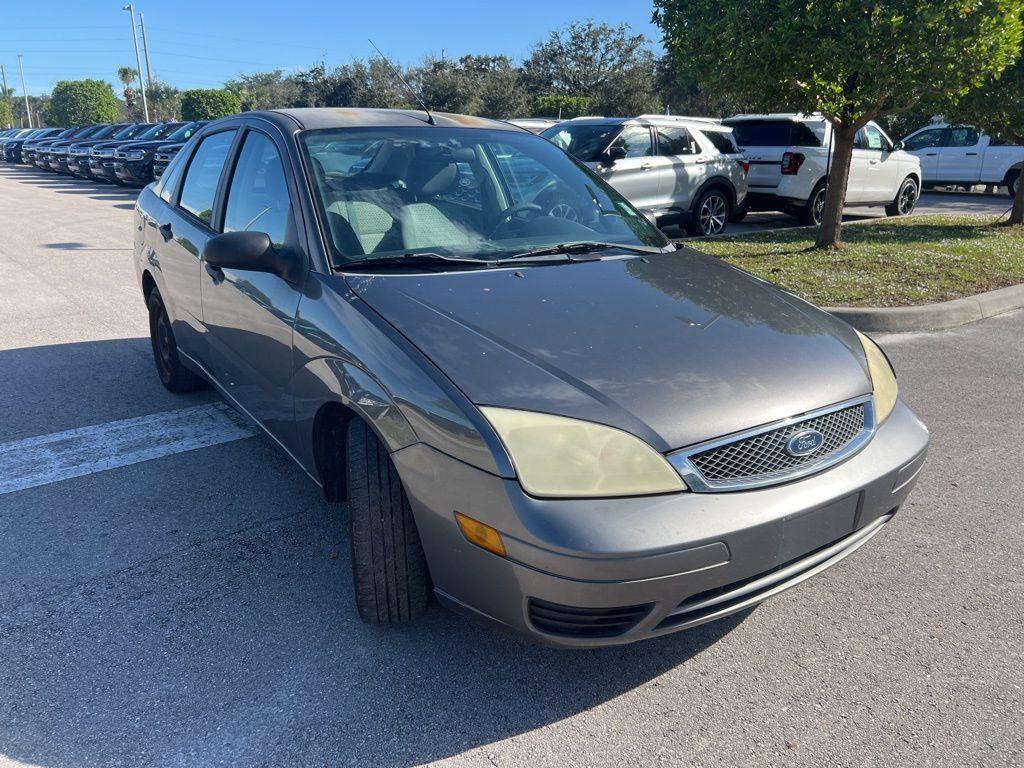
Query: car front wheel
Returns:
{"type": "Point", "coordinates": [389, 569]}
{"type": "Point", "coordinates": [905, 201]}
{"type": "Point", "coordinates": [1012, 185]}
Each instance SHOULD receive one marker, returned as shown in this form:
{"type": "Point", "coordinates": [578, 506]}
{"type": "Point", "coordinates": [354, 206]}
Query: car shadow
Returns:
{"type": "Point", "coordinates": [201, 604]}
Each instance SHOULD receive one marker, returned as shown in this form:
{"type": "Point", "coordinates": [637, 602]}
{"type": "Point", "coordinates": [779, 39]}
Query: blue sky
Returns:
{"type": "Point", "coordinates": [197, 44]}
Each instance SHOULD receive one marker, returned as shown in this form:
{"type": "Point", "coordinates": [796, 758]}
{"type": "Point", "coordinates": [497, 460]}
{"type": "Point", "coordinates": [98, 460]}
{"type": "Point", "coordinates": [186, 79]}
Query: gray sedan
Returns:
{"type": "Point", "coordinates": [535, 408]}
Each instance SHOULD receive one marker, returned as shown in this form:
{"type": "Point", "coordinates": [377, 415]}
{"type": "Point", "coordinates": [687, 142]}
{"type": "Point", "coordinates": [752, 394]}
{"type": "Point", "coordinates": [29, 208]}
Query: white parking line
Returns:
{"type": "Point", "coordinates": [46, 459]}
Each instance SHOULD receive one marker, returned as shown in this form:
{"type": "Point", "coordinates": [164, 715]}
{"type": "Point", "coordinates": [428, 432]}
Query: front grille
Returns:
{"type": "Point", "coordinates": [570, 621]}
{"type": "Point", "coordinates": [760, 457]}
{"type": "Point", "coordinates": [766, 454]}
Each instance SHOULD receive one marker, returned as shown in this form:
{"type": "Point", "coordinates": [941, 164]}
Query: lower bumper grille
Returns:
{"type": "Point", "coordinates": [570, 621]}
{"type": "Point", "coordinates": [741, 594]}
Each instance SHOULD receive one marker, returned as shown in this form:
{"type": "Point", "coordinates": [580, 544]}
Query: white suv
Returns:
{"type": "Point", "coordinates": [789, 165]}
{"type": "Point", "coordinates": [677, 170]}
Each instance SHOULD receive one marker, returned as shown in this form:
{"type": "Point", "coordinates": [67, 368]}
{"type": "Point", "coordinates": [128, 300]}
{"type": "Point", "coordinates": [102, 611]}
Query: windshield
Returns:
{"type": "Point", "coordinates": [460, 192]}
{"type": "Point", "coordinates": [158, 131]}
{"type": "Point", "coordinates": [185, 131]}
{"type": "Point", "coordinates": [132, 131]}
{"type": "Point", "coordinates": [585, 141]}
{"type": "Point", "coordinates": [91, 131]}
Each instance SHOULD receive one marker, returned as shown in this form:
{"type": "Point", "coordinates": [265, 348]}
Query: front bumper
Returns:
{"type": "Point", "coordinates": [648, 566]}
{"type": "Point", "coordinates": [134, 171]}
{"type": "Point", "coordinates": [79, 166]}
{"type": "Point", "coordinates": [102, 168]}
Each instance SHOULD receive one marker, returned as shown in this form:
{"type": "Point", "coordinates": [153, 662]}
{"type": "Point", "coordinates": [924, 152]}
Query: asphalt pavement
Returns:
{"type": "Point", "coordinates": [194, 608]}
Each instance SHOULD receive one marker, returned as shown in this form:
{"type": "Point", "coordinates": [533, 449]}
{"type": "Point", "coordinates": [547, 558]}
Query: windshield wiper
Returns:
{"type": "Point", "coordinates": [582, 246]}
{"type": "Point", "coordinates": [414, 259]}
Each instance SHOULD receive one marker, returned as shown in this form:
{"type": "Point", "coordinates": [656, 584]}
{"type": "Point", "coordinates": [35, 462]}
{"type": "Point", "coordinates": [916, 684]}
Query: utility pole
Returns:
{"type": "Point", "coordinates": [145, 50]}
{"type": "Point", "coordinates": [7, 91]}
{"type": "Point", "coordinates": [24, 90]}
{"type": "Point", "coordinates": [138, 60]}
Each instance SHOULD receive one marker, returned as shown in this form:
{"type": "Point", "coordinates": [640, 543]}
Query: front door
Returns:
{"type": "Point", "coordinates": [926, 144]}
{"type": "Point", "coordinates": [250, 315]}
{"type": "Point", "coordinates": [635, 176]}
{"type": "Point", "coordinates": [877, 169]}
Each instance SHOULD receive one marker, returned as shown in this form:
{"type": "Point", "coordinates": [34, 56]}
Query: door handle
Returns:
{"type": "Point", "coordinates": [646, 167]}
{"type": "Point", "coordinates": [971, 154]}
{"type": "Point", "coordinates": [873, 162]}
{"type": "Point", "coordinates": [930, 154]}
{"type": "Point", "coordinates": [165, 230]}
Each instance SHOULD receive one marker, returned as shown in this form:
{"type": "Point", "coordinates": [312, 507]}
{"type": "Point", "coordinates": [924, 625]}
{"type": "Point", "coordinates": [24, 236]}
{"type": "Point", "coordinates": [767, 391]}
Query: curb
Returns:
{"type": "Point", "coordinates": [932, 317]}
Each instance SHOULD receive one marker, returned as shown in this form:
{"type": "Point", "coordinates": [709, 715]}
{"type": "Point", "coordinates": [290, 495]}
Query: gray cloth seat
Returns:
{"type": "Point", "coordinates": [370, 222]}
{"type": "Point", "coordinates": [423, 224]}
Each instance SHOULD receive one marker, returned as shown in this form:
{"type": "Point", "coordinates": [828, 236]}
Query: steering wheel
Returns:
{"type": "Point", "coordinates": [506, 216]}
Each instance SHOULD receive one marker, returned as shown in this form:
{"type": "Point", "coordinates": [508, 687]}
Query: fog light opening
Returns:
{"type": "Point", "coordinates": [480, 534]}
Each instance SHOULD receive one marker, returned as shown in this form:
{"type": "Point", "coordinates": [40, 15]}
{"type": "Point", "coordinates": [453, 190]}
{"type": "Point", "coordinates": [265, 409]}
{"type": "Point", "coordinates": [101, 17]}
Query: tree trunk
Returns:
{"type": "Point", "coordinates": [835, 199]}
{"type": "Point", "coordinates": [1017, 213]}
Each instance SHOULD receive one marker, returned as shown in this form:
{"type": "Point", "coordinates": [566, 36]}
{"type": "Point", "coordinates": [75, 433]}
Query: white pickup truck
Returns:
{"type": "Point", "coordinates": [961, 155]}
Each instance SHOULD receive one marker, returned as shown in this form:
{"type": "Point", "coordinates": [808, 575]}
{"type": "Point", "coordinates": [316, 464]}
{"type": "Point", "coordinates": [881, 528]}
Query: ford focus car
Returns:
{"type": "Point", "coordinates": [533, 406]}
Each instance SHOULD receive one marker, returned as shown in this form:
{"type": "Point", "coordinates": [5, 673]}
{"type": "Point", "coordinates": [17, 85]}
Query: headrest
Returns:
{"type": "Point", "coordinates": [432, 178]}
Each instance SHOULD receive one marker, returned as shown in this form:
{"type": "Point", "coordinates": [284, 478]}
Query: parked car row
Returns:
{"type": "Point", "coordinates": [119, 153]}
{"type": "Point", "coordinates": [702, 173]}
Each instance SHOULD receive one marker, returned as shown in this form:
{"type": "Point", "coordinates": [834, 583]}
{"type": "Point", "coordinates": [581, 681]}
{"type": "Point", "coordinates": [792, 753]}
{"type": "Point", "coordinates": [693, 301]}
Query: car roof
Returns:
{"type": "Point", "coordinates": [695, 122]}
{"type": "Point", "coordinates": [314, 118]}
{"type": "Point", "coordinates": [792, 116]}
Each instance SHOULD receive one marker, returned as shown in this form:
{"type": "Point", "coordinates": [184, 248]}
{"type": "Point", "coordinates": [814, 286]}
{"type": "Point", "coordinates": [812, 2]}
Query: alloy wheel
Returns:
{"type": "Point", "coordinates": [713, 214]}
{"type": "Point", "coordinates": [908, 199]}
{"type": "Point", "coordinates": [818, 205]}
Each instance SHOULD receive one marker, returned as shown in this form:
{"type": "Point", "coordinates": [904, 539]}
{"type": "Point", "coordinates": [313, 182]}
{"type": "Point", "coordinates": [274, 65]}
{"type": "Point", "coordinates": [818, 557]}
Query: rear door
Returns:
{"type": "Point", "coordinates": [959, 157]}
{"type": "Point", "coordinates": [182, 230]}
{"type": "Point", "coordinates": [680, 165]}
{"type": "Point", "coordinates": [634, 175]}
{"type": "Point", "coordinates": [250, 315]}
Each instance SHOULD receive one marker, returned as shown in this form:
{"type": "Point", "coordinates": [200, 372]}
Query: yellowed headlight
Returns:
{"type": "Point", "coordinates": [556, 456]}
{"type": "Point", "coordinates": [883, 380]}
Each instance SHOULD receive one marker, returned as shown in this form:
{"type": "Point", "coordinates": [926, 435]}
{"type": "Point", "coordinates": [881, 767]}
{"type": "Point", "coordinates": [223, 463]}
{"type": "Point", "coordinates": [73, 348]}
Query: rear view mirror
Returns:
{"type": "Point", "coordinates": [613, 153]}
{"type": "Point", "coordinates": [247, 250]}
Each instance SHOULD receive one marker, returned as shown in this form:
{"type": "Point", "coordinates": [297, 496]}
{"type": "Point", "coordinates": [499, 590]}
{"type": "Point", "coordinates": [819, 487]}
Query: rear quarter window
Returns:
{"type": "Point", "coordinates": [722, 141]}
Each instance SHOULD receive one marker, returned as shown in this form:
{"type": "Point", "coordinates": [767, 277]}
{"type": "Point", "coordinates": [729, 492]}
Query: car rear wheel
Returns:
{"type": "Point", "coordinates": [173, 374]}
{"type": "Point", "coordinates": [710, 214]}
{"type": "Point", "coordinates": [905, 201]}
{"type": "Point", "coordinates": [1012, 183]}
{"type": "Point", "coordinates": [389, 569]}
{"type": "Point", "coordinates": [811, 213]}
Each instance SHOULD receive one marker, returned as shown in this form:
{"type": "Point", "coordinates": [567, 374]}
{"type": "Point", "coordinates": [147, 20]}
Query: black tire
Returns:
{"type": "Point", "coordinates": [906, 199]}
{"type": "Point", "coordinates": [810, 214]}
{"type": "Point", "coordinates": [739, 214]}
{"type": "Point", "coordinates": [1012, 180]}
{"type": "Point", "coordinates": [391, 580]}
{"type": "Point", "coordinates": [710, 214]}
{"type": "Point", "coordinates": [172, 372]}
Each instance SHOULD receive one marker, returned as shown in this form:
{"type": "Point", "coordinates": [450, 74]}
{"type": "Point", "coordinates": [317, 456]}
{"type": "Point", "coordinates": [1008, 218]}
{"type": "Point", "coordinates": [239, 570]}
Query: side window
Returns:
{"type": "Point", "coordinates": [676, 141]}
{"type": "Point", "coordinates": [200, 186]}
{"type": "Point", "coordinates": [808, 135]}
{"type": "Point", "coordinates": [524, 175]}
{"type": "Point", "coordinates": [636, 140]}
{"type": "Point", "coordinates": [962, 136]}
{"type": "Point", "coordinates": [930, 138]}
{"type": "Point", "coordinates": [873, 139]}
{"type": "Point", "coordinates": [258, 196]}
{"type": "Point", "coordinates": [169, 179]}
{"type": "Point", "coordinates": [722, 141]}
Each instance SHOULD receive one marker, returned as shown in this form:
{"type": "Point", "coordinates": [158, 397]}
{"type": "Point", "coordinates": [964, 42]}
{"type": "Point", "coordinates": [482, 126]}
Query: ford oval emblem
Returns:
{"type": "Point", "coordinates": [805, 442]}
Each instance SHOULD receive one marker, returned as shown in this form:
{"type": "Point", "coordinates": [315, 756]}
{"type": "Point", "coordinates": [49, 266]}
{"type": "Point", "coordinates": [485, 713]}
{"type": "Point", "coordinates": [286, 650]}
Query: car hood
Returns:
{"type": "Point", "coordinates": [147, 145]}
{"type": "Point", "coordinates": [676, 348]}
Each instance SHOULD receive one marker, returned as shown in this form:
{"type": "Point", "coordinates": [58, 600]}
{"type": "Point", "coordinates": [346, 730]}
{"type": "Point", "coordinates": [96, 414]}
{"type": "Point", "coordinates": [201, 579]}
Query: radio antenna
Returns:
{"type": "Point", "coordinates": [402, 80]}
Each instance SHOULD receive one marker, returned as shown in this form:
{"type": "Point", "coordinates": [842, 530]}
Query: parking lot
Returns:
{"type": "Point", "coordinates": [195, 608]}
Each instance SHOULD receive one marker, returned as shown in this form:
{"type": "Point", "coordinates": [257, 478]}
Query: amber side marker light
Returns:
{"type": "Point", "coordinates": [480, 534]}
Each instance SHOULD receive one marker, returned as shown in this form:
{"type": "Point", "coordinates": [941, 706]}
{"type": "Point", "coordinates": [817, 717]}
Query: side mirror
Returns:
{"type": "Point", "coordinates": [612, 154]}
{"type": "Point", "coordinates": [247, 250]}
{"type": "Point", "coordinates": [899, 145]}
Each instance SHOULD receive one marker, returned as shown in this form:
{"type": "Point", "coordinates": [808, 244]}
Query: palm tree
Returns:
{"type": "Point", "coordinates": [127, 76]}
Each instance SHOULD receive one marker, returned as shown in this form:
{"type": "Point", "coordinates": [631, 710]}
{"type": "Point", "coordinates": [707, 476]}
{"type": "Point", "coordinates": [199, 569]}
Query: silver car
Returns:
{"type": "Point", "coordinates": [677, 170]}
{"type": "Point", "coordinates": [560, 424]}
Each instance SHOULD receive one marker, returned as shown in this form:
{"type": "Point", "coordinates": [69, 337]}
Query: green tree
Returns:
{"type": "Point", "coordinates": [127, 77]}
{"type": "Point", "coordinates": [998, 108]}
{"type": "Point", "coordinates": [611, 66]}
{"type": "Point", "coordinates": [6, 114]}
{"type": "Point", "coordinates": [164, 101]}
{"type": "Point", "coordinates": [209, 103]}
{"type": "Point", "coordinates": [852, 60]}
{"type": "Point", "coordinates": [561, 107]}
{"type": "Point", "coordinates": [82, 101]}
{"type": "Point", "coordinates": [265, 90]}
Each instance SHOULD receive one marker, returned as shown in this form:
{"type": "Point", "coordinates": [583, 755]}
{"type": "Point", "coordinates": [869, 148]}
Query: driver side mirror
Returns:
{"type": "Point", "coordinates": [248, 250]}
{"type": "Point", "coordinates": [899, 145]}
{"type": "Point", "coordinates": [613, 153]}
